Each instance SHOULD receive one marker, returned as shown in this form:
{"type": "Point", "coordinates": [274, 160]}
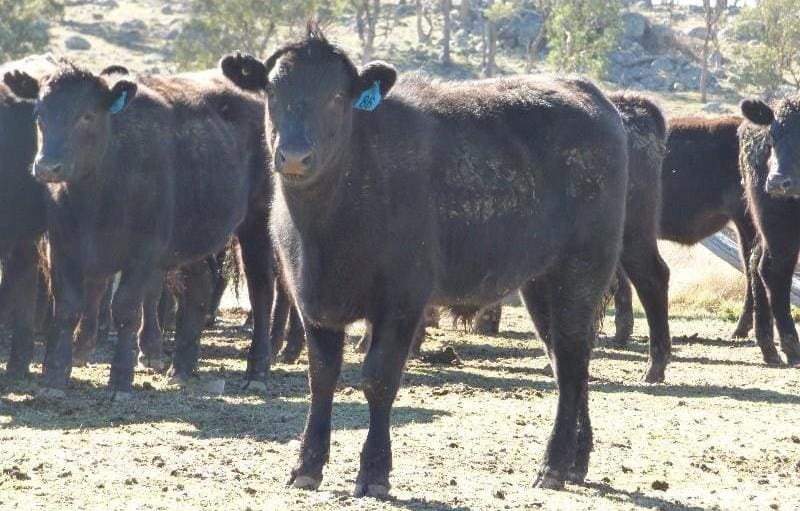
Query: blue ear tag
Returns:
{"type": "Point", "coordinates": [370, 98]}
{"type": "Point", "coordinates": [119, 104]}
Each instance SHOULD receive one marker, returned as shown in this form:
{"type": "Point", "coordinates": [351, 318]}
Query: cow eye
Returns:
{"type": "Point", "coordinates": [87, 117]}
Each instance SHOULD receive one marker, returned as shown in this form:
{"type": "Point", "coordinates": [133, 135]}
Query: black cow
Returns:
{"type": "Point", "coordinates": [701, 191]}
{"type": "Point", "coordinates": [22, 217]}
{"type": "Point", "coordinates": [770, 164]}
{"type": "Point", "coordinates": [445, 193]}
{"type": "Point", "coordinates": [142, 177]}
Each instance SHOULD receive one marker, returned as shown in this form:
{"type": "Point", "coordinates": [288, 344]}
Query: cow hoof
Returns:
{"type": "Point", "coordinates": [654, 375]}
{"type": "Point", "coordinates": [794, 361]}
{"type": "Point", "coordinates": [119, 397]}
{"type": "Point", "coordinates": [547, 371]}
{"type": "Point", "coordinates": [741, 333]}
{"type": "Point", "coordinates": [177, 379]}
{"type": "Point", "coordinates": [255, 386]}
{"type": "Point", "coordinates": [305, 482]}
{"type": "Point", "coordinates": [773, 359]}
{"type": "Point", "coordinates": [49, 393]}
{"type": "Point", "coordinates": [576, 477]}
{"type": "Point", "coordinates": [621, 341]}
{"type": "Point", "coordinates": [375, 491]}
{"type": "Point", "coordinates": [549, 481]}
{"type": "Point", "coordinates": [154, 364]}
{"type": "Point", "coordinates": [288, 357]}
{"type": "Point", "coordinates": [80, 360]}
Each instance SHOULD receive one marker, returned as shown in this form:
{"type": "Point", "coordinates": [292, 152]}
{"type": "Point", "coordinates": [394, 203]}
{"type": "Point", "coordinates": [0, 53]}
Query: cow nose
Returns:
{"type": "Point", "coordinates": [295, 160]}
{"type": "Point", "coordinates": [46, 171]}
{"type": "Point", "coordinates": [778, 184]}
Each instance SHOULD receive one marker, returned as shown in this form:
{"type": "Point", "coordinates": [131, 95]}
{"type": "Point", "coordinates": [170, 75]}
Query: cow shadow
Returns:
{"type": "Point", "coordinates": [638, 499]}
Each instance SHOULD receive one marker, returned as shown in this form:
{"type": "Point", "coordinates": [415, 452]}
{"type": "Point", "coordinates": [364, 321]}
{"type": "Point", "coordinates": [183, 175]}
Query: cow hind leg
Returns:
{"type": "Point", "coordinates": [623, 305]}
{"type": "Point", "coordinates": [762, 312]}
{"type": "Point", "coordinates": [650, 276]}
{"type": "Point", "coordinates": [572, 294]}
{"type": "Point", "coordinates": [747, 240]}
{"type": "Point", "coordinates": [86, 334]}
{"type": "Point", "coordinates": [151, 348]}
{"type": "Point", "coordinates": [190, 320]}
{"type": "Point", "coordinates": [295, 338]}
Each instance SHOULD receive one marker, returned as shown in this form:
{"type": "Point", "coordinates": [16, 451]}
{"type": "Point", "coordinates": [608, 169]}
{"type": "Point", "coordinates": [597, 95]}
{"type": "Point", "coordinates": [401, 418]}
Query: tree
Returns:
{"type": "Point", "coordinates": [446, 7]}
{"type": "Point", "coordinates": [216, 27]}
{"type": "Point", "coordinates": [23, 27]}
{"type": "Point", "coordinates": [545, 8]}
{"type": "Point", "coordinates": [496, 14]}
{"type": "Point", "coordinates": [713, 12]}
{"type": "Point", "coordinates": [367, 14]}
{"type": "Point", "coordinates": [771, 55]}
{"type": "Point", "coordinates": [582, 33]}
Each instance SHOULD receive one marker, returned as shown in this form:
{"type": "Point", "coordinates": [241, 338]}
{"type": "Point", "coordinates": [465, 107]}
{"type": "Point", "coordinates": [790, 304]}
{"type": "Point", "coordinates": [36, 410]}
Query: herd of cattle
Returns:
{"type": "Point", "coordinates": [374, 197]}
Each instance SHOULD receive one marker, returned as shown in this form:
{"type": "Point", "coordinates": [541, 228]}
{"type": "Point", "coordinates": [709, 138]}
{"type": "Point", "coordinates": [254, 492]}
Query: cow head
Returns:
{"type": "Point", "coordinates": [783, 124]}
{"type": "Point", "coordinates": [313, 90]}
{"type": "Point", "coordinates": [73, 119]}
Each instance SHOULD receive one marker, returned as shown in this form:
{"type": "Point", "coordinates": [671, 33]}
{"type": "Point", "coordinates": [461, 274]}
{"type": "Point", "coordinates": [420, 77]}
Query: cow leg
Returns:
{"type": "Point", "coordinates": [488, 320]}
{"type": "Point", "coordinates": [650, 276]}
{"type": "Point", "coordinates": [21, 276]}
{"type": "Point", "coordinates": [217, 265]}
{"type": "Point", "coordinates": [281, 306]}
{"type": "Point", "coordinates": [151, 348]}
{"type": "Point", "coordinates": [393, 334]}
{"type": "Point", "coordinates": [764, 327]}
{"type": "Point", "coordinates": [535, 297]}
{"type": "Point", "coordinates": [623, 305]}
{"type": "Point", "coordinates": [67, 284]}
{"type": "Point", "coordinates": [295, 338]}
{"type": "Point", "coordinates": [777, 268]}
{"type": "Point", "coordinates": [574, 291]}
{"type": "Point", "coordinates": [325, 349]}
{"type": "Point", "coordinates": [366, 339]}
{"type": "Point", "coordinates": [127, 311]}
{"type": "Point", "coordinates": [190, 320]}
{"type": "Point", "coordinates": [104, 315]}
{"type": "Point", "coordinates": [747, 239]}
{"type": "Point", "coordinates": [257, 255]}
{"type": "Point", "coordinates": [86, 333]}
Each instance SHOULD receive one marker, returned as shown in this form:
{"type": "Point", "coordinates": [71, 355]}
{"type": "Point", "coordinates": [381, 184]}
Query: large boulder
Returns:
{"type": "Point", "coordinates": [635, 25]}
{"type": "Point", "coordinates": [520, 29]}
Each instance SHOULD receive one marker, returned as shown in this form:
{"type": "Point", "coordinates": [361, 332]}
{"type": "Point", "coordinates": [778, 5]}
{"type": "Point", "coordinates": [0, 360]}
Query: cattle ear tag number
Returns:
{"type": "Point", "coordinates": [119, 104]}
{"type": "Point", "coordinates": [370, 98]}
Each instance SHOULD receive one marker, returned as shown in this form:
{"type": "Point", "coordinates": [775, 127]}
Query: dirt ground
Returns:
{"type": "Point", "coordinates": [722, 433]}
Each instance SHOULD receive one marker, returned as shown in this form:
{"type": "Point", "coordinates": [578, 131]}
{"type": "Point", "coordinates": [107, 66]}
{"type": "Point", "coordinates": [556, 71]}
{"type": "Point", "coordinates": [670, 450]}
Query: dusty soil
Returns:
{"type": "Point", "coordinates": [722, 433]}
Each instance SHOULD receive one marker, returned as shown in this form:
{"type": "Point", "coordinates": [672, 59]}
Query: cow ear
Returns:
{"type": "Point", "coordinates": [757, 112]}
{"type": "Point", "coordinates": [122, 93]}
{"type": "Point", "coordinates": [22, 84]}
{"type": "Point", "coordinates": [245, 71]}
{"type": "Point", "coordinates": [115, 69]}
{"type": "Point", "coordinates": [375, 80]}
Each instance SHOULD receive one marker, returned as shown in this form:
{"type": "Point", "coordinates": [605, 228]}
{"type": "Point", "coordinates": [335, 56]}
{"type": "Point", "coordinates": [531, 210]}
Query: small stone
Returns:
{"type": "Point", "coordinates": [131, 481]}
{"type": "Point", "coordinates": [499, 494]}
{"type": "Point", "coordinates": [453, 482]}
{"type": "Point", "coordinates": [250, 491]}
{"type": "Point", "coordinates": [77, 43]}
